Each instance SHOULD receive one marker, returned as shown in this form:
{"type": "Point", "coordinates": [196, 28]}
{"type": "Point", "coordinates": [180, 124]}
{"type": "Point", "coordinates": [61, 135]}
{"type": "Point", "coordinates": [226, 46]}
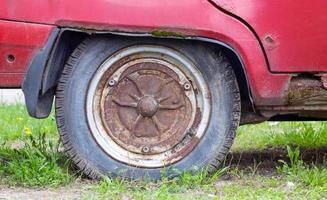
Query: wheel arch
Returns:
{"type": "Point", "coordinates": [40, 103]}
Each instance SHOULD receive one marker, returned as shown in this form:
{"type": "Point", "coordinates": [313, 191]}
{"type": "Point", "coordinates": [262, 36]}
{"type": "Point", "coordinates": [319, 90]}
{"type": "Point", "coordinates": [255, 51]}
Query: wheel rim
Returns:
{"type": "Point", "coordinates": [148, 106]}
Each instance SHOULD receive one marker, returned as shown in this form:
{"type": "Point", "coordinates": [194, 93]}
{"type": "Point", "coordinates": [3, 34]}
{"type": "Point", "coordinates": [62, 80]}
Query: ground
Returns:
{"type": "Point", "coordinates": [75, 190]}
{"type": "Point", "coordinates": [267, 161]}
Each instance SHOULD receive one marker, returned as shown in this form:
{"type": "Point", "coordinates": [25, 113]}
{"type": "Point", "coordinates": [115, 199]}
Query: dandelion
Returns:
{"type": "Point", "coordinates": [27, 131]}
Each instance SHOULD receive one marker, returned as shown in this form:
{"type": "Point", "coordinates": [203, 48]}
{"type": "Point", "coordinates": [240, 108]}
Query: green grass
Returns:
{"type": "Point", "coordinates": [298, 171]}
{"type": "Point", "coordinates": [29, 151]}
{"type": "Point", "coordinates": [258, 187]}
{"type": "Point", "coordinates": [187, 187]}
{"type": "Point", "coordinates": [30, 156]}
{"type": "Point", "coordinates": [295, 180]}
{"type": "Point", "coordinates": [246, 186]}
{"type": "Point", "coordinates": [37, 164]}
{"type": "Point", "coordinates": [281, 134]}
{"type": "Point", "coordinates": [14, 121]}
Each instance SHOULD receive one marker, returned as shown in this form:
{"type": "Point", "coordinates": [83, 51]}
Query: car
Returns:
{"type": "Point", "coordinates": [156, 85]}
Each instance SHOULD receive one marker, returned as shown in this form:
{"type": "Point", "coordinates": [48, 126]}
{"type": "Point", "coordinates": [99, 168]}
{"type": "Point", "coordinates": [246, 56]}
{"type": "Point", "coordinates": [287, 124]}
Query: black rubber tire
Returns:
{"type": "Point", "coordinates": [84, 150]}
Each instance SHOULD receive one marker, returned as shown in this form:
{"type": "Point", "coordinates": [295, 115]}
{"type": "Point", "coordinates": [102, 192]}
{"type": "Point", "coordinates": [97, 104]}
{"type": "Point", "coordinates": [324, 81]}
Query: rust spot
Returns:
{"type": "Point", "coordinates": [324, 80]}
{"type": "Point", "coordinates": [163, 33]}
{"type": "Point", "coordinates": [305, 96]}
{"type": "Point", "coordinates": [269, 39]}
{"type": "Point", "coordinates": [189, 141]}
{"type": "Point", "coordinates": [182, 152]}
{"type": "Point", "coordinates": [270, 42]}
{"type": "Point", "coordinates": [306, 91]}
{"type": "Point", "coordinates": [197, 120]}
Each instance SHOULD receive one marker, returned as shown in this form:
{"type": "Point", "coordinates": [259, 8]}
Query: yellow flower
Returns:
{"type": "Point", "coordinates": [27, 131]}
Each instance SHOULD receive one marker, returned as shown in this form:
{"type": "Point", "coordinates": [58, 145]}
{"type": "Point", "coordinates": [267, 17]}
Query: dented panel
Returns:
{"type": "Point", "coordinates": [293, 33]}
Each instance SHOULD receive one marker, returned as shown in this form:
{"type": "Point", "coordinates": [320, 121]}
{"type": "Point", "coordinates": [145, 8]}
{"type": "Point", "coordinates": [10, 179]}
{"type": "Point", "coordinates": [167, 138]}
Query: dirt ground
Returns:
{"type": "Point", "coordinates": [73, 191]}
{"type": "Point", "coordinates": [269, 158]}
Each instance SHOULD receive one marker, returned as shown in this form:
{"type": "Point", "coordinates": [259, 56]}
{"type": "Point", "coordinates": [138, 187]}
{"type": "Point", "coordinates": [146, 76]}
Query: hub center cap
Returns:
{"type": "Point", "coordinates": [147, 106]}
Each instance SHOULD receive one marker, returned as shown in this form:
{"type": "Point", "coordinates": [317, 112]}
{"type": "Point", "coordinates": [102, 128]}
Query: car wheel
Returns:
{"type": "Point", "coordinates": [135, 107]}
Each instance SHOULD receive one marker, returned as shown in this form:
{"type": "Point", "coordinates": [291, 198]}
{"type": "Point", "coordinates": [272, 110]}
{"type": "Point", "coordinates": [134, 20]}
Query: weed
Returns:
{"type": "Point", "coordinates": [275, 135]}
{"type": "Point", "coordinates": [309, 135]}
{"type": "Point", "coordinates": [255, 167]}
{"type": "Point", "coordinates": [236, 172]}
{"type": "Point", "coordinates": [14, 122]}
{"type": "Point", "coordinates": [35, 164]}
{"type": "Point", "coordinates": [176, 188]}
{"type": "Point", "coordinates": [297, 170]}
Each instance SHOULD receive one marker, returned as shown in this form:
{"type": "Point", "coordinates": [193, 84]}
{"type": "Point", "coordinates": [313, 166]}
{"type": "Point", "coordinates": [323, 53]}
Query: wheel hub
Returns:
{"type": "Point", "coordinates": [147, 106]}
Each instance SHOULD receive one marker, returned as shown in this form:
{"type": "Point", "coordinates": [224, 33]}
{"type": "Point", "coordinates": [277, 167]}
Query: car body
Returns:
{"type": "Point", "coordinates": [276, 48]}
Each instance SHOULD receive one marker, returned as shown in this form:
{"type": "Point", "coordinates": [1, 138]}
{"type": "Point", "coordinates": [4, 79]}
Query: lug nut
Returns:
{"type": "Point", "coordinates": [111, 82]}
{"type": "Point", "coordinates": [145, 149]}
{"type": "Point", "coordinates": [187, 86]}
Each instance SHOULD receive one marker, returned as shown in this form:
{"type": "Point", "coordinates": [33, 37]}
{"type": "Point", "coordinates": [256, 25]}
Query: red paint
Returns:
{"type": "Point", "coordinates": [11, 80]}
{"type": "Point", "coordinates": [20, 41]}
{"type": "Point", "coordinates": [297, 30]}
{"type": "Point", "coordinates": [190, 17]}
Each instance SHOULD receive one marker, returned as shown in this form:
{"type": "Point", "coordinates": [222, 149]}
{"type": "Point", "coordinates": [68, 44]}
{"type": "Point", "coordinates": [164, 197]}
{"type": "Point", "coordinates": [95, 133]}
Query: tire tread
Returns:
{"type": "Point", "coordinates": [87, 168]}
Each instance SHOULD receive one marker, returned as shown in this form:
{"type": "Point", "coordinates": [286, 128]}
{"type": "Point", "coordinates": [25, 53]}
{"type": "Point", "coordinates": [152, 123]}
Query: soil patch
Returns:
{"type": "Point", "coordinates": [269, 158]}
{"type": "Point", "coordinates": [73, 191]}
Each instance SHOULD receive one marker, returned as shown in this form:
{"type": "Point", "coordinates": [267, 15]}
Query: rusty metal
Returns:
{"type": "Point", "coordinates": [252, 118]}
{"type": "Point", "coordinates": [270, 42]}
{"type": "Point", "coordinates": [324, 80]}
{"type": "Point", "coordinates": [148, 106]}
{"type": "Point", "coordinates": [304, 95]}
{"type": "Point", "coordinates": [307, 91]}
{"type": "Point", "coordinates": [295, 108]}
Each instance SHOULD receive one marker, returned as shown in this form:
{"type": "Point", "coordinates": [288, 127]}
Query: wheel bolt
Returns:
{"type": "Point", "coordinates": [187, 86]}
{"type": "Point", "coordinates": [145, 149]}
{"type": "Point", "coordinates": [111, 82]}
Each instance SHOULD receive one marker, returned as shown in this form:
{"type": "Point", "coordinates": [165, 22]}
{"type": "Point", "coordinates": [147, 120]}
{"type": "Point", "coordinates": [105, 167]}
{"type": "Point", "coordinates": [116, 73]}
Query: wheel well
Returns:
{"type": "Point", "coordinates": [66, 42]}
{"type": "Point", "coordinates": [69, 39]}
{"type": "Point", "coordinates": [242, 81]}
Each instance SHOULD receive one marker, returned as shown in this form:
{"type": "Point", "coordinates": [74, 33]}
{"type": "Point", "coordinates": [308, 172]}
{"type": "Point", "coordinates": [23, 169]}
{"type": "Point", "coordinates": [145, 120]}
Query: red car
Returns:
{"type": "Point", "coordinates": [156, 84]}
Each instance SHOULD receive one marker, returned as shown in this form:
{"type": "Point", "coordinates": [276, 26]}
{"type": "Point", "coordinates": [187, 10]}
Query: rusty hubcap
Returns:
{"type": "Point", "coordinates": [147, 107]}
{"type": "Point", "coordinates": [145, 110]}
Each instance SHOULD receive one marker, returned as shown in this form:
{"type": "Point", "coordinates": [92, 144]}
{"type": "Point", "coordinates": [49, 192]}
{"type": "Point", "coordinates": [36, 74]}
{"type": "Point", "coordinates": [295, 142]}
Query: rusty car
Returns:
{"type": "Point", "coordinates": [142, 87]}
